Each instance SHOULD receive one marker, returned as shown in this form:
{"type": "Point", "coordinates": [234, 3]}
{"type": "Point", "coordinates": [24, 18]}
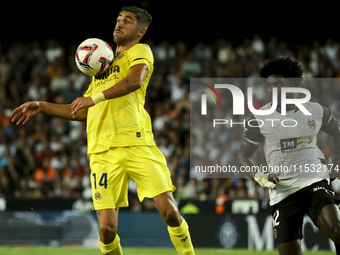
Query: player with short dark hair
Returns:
{"type": "Point", "coordinates": [294, 193]}
{"type": "Point", "coordinates": [143, 17]}
{"type": "Point", "coordinates": [120, 139]}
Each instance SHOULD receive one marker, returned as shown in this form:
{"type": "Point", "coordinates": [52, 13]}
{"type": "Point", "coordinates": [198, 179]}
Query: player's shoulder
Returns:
{"type": "Point", "coordinates": [310, 106]}
{"type": "Point", "coordinates": [140, 50]}
{"type": "Point", "coordinates": [314, 107]}
{"type": "Point", "coordinates": [140, 47]}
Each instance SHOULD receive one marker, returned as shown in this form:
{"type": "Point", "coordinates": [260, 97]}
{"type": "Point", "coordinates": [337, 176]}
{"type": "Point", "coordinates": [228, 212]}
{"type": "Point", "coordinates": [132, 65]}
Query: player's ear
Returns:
{"type": "Point", "coordinates": [142, 32]}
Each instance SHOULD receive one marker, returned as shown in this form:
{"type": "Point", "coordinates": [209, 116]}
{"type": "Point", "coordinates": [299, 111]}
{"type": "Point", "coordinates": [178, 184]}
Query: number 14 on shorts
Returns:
{"type": "Point", "coordinates": [102, 181]}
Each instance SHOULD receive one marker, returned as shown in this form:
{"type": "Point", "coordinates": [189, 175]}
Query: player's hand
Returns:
{"type": "Point", "coordinates": [81, 103]}
{"type": "Point", "coordinates": [25, 111]}
{"type": "Point", "coordinates": [267, 180]}
{"type": "Point", "coordinates": [274, 178]}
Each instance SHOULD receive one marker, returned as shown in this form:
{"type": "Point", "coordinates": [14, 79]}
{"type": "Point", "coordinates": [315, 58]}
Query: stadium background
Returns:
{"type": "Point", "coordinates": [46, 159]}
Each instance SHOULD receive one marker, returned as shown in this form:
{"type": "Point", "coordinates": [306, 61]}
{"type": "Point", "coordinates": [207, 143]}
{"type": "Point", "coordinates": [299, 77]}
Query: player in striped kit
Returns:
{"type": "Point", "coordinates": [291, 140]}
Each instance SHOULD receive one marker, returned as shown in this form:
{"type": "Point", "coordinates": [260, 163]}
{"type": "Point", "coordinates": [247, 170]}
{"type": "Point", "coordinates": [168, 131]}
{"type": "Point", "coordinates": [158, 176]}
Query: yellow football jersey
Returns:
{"type": "Point", "coordinates": [122, 121]}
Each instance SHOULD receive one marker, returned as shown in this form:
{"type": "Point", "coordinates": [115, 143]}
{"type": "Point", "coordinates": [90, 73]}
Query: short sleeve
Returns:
{"type": "Point", "coordinates": [328, 120]}
{"type": "Point", "coordinates": [141, 54]}
{"type": "Point", "coordinates": [88, 92]}
{"type": "Point", "coordinates": [252, 134]}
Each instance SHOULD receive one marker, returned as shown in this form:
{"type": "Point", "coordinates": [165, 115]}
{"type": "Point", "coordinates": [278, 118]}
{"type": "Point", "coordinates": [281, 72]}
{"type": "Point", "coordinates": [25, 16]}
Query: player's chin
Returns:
{"type": "Point", "coordinates": [117, 38]}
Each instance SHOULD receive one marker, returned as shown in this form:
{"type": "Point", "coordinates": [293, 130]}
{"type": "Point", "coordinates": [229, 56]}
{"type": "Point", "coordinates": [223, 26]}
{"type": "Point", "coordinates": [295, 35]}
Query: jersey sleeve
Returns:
{"type": "Point", "coordinates": [88, 92]}
{"type": "Point", "coordinates": [141, 54]}
{"type": "Point", "coordinates": [328, 120]}
{"type": "Point", "coordinates": [252, 133]}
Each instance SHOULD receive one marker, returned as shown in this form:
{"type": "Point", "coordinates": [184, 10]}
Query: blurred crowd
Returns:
{"type": "Point", "coordinates": [47, 157]}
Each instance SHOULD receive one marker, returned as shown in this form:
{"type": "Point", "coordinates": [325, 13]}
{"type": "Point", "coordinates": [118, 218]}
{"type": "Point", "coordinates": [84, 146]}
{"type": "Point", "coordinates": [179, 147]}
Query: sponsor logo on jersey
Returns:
{"type": "Point", "coordinates": [296, 142]}
{"type": "Point", "coordinates": [112, 70]}
{"type": "Point", "coordinates": [289, 143]}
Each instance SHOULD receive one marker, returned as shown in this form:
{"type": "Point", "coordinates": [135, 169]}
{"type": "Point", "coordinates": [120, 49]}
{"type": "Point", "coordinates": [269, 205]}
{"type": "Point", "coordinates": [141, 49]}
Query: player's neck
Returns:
{"type": "Point", "coordinates": [124, 47]}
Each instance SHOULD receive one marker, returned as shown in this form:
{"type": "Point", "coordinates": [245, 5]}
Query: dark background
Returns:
{"type": "Point", "coordinates": [173, 21]}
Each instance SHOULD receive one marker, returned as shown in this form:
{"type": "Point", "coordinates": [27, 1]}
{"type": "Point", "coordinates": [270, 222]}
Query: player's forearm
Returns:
{"type": "Point", "coordinates": [246, 151]}
{"type": "Point", "coordinates": [266, 180]}
{"type": "Point", "coordinates": [129, 84]}
{"type": "Point", "coordinates": [245, 162]}
{"type": "Point", "coordinates": [122, 88]}
{"type": "Point", "coordinates": [62, 111]}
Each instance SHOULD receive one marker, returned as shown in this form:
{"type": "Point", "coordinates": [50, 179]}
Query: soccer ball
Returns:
{"type": "Point", "coordinates": [94, 56]}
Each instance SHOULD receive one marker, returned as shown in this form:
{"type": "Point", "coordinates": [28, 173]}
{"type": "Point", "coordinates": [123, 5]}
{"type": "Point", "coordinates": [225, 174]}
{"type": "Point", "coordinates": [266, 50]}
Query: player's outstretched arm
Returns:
{"type": "Point", "coordinates": [266, 180]}
{"type": "Point", "coordinates": [133, 81]}
{"type": "Point", "coordinates": [24, 112]}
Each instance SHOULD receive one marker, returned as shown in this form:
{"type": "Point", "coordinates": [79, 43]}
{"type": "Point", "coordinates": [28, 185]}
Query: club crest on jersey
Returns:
{"type": "Point", "coordinates": [97, 196]}
{"type": "Point", "coordinates": [119, 57]}
{"type": "Point", "coordinates": [311, 123]}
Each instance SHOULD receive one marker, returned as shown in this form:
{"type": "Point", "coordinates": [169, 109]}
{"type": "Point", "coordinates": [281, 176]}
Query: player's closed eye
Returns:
{"type": "Point", "coordinates": [124, 21]}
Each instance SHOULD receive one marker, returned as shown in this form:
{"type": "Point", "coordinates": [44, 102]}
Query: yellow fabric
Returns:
{"type": "Point", "coordinates": [181, 239]}
{"type": "Point", "coordinates": [113, 248]}
{"type": "Point", "coordinates": [121, 121]}
{"type": "Point", "coordinates": [112, 170]}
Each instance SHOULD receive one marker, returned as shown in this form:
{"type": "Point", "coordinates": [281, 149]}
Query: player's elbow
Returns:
{"type": "Point", "coordinates": [133, 83]}
{"type": "Point", "coordinates": [136, 76]}
{"type": "Point", "coordinates": [241, 158]}
{"type": "Point", "coordinates": [137, 83]}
